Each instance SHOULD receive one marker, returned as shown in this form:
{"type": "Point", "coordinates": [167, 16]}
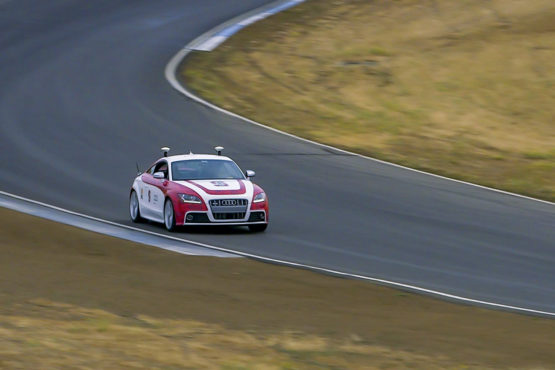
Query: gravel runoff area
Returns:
{"type": "Point", "coordinates": [73, 298]}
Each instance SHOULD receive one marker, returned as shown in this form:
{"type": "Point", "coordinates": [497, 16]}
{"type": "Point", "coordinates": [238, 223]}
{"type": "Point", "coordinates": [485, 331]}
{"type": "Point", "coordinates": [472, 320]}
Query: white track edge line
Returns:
{"type": "Point", "coordinates": [171, 71]}
{"type": "Point", "coordinates": [389, 283]}
{"type": "Point", "coordinates": [112, 223]}
{"type": "Point", "coordinates": [171, 75]}
{"type": "Point", "coordinates": [172, 68]}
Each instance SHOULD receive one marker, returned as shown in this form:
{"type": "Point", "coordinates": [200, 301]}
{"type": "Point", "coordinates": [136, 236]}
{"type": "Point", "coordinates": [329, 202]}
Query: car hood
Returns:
{"type": "Point", "coordinates": [217, 186]}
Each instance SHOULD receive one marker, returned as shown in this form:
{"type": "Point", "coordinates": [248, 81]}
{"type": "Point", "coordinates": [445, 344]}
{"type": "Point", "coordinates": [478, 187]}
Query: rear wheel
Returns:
{"type": "Point", "coordinates": [258, 228]}
{"type": "Point", "coordinates": [169, 216]}
{"type": "Point", "coordinates": [134, 211]}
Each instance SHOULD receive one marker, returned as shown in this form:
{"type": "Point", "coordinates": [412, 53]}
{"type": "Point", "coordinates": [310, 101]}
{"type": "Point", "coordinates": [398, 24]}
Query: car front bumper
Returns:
{"type": "Point", "coordinates": [205, 218]}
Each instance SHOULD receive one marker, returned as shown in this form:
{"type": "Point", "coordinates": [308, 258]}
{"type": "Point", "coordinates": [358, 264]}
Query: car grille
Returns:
{"type": "Point", "coordinates": [229, 216]}
{"type": "Point", "coordinates": [228, 202]}
{"type": "Point", "coordinates": [229, 209]}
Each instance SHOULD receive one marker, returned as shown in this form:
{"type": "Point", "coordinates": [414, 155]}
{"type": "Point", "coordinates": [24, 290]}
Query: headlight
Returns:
{"type": "Point", "coordinates": [260, 197]}
{"type": "Point", "coordinates": [188, 198]}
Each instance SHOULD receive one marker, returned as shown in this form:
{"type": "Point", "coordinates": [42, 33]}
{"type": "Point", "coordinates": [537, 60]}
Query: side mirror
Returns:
{"type": "Point", "coordinates": [250, 173]}
{"type": "Point", "coordinates": [159, 175]}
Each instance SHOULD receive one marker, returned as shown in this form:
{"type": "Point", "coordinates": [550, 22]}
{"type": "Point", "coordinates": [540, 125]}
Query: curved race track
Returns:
{"type": "Point", "coordinates": [83, 96]}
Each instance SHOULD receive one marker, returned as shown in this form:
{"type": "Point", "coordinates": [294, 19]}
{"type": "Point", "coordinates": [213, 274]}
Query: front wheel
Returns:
{"type": "Point", "coordinates": [258, 228]}
{"type": "Point", "coordinates": [169, 216]}
{"type": "Point", "coordinates": [134, 211]}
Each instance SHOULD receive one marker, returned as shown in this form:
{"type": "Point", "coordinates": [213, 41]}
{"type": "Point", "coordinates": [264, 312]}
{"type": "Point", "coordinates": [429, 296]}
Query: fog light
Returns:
{"type": "Point", "coordinates": [262, 216]}
{"type": "Point", "coordinates": [189, 217]}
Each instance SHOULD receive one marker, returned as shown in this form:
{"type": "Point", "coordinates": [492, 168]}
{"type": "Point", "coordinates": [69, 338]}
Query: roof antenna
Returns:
{"type": "Point", "coordinates": [219, 149]}
{"type": "Point", "coordinates": [165, 150]}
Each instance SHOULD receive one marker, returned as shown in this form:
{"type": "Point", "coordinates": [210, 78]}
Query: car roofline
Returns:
{"type": "Point", "coordinates": [188, 157]}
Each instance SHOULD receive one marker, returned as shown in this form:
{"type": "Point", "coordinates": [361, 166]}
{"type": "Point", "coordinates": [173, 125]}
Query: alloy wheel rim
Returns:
{"type": "Point", "coordinates": [134, 206]}
{"type": "Point", "coordinates": [168, 215]}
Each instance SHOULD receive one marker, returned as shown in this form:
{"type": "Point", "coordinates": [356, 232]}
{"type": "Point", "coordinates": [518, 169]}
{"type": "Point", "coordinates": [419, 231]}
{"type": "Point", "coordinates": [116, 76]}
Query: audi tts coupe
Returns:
{"type": "Point", "coordinates": [198, 189]}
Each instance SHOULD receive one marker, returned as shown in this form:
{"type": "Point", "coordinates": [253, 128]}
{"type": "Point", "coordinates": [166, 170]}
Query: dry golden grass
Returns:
{"type": "Point", "coordinates": [75, 299]}
{"type": "Point", "coordinates": [70, 336]}
{"type": "Point", "coordinates": [460, 88]}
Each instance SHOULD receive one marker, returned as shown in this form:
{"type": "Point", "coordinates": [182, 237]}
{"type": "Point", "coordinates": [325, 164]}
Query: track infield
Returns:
{"type": "Point", "coordinates": [70, 297]}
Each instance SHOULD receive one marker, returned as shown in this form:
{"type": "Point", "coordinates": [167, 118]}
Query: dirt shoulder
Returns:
{"type": "Point", "coordinates": [462, 89]}
{"type": "Point", "coordinates": [70, 297]}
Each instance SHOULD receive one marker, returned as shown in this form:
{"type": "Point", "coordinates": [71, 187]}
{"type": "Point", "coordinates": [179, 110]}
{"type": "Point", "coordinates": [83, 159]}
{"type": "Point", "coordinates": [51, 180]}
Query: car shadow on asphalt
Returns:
{"type": "Point", "coordinates": [189, 229]}
{"type": "Point", "coordinates": [219, 230]}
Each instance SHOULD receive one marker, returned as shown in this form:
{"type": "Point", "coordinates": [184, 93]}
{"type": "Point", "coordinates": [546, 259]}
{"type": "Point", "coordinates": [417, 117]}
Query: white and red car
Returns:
{"type": "Point", "coordinates": [198, 189]}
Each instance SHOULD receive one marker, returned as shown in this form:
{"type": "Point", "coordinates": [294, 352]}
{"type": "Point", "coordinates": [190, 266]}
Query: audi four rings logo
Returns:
{"type": "Point", "coordinates": [227, 202]}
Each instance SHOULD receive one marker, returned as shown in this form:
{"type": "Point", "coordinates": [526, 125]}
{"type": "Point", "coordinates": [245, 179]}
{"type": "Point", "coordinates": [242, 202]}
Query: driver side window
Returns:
{"type": "Point", "coordinates": [161, 167]}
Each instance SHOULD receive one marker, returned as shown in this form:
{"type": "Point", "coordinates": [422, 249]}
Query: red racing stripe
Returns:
{"type": "Point", "coordinates": [241, 190]}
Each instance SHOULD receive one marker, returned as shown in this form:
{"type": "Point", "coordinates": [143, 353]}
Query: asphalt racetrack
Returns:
{"type": "Point", "coordinates": [83, 97]}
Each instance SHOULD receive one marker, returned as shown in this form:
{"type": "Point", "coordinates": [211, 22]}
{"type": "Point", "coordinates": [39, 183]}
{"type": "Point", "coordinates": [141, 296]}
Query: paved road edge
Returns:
{"type": "Point", "coordinates": [29, 206]}
{"type": "Point", "coordinates": [105, 227]}
{"type": "Point", "coordinates": [39, 209]}
{"type": "Point", "coordinates": [171, 72]}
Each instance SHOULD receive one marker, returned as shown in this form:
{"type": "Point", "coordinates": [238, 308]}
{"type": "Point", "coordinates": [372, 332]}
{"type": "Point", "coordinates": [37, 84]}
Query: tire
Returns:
{"type": "Point", "coordinates": [258, 228]}
{"type": "Point", "coordinates": [134, 210]}
{"type": "Point", "coordinates": [169, 215]}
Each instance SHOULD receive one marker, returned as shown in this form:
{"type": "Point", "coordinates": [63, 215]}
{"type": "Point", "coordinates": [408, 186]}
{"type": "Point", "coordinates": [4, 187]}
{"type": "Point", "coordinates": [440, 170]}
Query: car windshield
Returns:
{"type": "Point", "coordinates": [205, 169]}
